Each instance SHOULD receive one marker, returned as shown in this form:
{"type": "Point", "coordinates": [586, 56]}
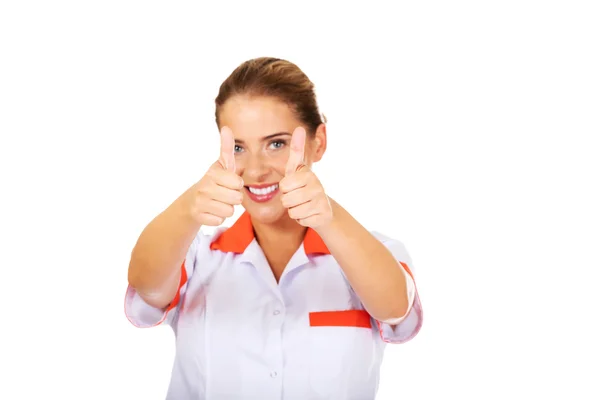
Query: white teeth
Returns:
{"type": "Point", "coordinates": [263, 191]}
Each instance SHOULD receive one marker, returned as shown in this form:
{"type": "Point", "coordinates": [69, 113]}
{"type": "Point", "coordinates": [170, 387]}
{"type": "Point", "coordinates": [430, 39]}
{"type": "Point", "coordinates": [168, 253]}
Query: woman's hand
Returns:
{"type": "Point", "coordinates": [302, 192]}
{"type": "Point", "coordinates": [213, 198]}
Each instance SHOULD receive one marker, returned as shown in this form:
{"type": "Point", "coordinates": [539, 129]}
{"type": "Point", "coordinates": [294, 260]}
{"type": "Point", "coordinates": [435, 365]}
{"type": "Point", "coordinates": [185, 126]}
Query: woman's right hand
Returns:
{"type": "Point", "coordinates": [213, 198]}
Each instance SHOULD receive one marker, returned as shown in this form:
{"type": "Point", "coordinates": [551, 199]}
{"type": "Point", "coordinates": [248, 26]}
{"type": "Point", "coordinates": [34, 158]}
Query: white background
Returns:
{"type": "Point", "coordinates": [468, 130]}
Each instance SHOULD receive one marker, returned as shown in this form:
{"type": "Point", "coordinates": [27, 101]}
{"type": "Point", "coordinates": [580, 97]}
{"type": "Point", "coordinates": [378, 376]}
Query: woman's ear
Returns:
{"type": "Point", "coordinates": [319, 143]}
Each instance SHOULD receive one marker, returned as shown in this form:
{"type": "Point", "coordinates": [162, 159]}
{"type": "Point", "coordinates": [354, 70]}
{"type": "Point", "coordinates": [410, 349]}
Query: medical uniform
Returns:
{"type": "Point", "coordinates": [241, 335]}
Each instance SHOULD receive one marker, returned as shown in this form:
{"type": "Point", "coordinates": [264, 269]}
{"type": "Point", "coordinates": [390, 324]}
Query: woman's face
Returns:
{"type": "Point", "coordinates": [262, 128]}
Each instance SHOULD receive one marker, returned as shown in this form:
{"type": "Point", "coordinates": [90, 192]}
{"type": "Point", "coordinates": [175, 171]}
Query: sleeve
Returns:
{"type": "Point", "coordinates": [408, 326]}
{"type": "Point", "coordinates": [142, 315]}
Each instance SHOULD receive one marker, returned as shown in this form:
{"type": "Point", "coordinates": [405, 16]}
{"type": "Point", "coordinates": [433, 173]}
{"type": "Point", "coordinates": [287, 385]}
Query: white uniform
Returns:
{"type": "Point", "coordinates": [241, 335]}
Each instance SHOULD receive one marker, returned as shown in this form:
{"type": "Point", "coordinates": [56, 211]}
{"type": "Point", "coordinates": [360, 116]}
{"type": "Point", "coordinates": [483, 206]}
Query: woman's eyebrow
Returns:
{"type": "Point", "coordinates": [276, 134]}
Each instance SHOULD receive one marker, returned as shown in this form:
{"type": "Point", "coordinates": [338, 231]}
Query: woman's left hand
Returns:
{"type": "Point", "coordinates": [302, 192]}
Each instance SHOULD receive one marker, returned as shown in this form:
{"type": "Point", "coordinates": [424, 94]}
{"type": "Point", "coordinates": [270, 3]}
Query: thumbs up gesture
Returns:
{"type": "Point", "coordinates": [213, 198]}
{"type": "Point", "coordinates": [302, 193]}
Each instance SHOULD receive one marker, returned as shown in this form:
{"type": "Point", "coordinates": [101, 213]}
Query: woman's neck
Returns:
{"type": "Point", "coordinates": [286, 230]}
{"type": "Point", "coordinates": [279, 242]}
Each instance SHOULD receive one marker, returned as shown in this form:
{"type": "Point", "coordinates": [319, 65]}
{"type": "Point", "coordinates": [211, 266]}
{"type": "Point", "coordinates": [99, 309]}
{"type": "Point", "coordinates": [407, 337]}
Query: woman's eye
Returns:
{"type": "Point", "coordinates": [237, 149]}
{"type": "Point", "coordinates": [278, 144]}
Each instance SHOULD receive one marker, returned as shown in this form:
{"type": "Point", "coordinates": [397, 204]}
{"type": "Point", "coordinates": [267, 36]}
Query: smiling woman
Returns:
{"type": "Point", "coordinates": [296, 300]}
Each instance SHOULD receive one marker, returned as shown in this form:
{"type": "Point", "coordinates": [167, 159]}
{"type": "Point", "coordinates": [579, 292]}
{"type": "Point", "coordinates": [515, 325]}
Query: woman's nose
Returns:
{"type": "Point", "coordinates": [256, 167]}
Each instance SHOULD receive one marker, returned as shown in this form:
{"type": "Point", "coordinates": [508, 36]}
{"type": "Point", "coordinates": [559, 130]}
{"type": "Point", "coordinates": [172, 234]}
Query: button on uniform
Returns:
{"type": "Point", "coordinates": [281, 352]}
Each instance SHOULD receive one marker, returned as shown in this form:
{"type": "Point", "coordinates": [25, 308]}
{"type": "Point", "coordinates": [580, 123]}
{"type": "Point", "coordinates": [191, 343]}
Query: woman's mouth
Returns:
{"type": "Point", "coordinates": [262, 193]}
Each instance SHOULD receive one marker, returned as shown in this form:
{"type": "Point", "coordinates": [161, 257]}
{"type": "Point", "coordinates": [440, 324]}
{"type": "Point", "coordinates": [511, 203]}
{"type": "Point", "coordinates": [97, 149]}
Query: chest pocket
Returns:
{"type": "Point", "coordinates": [342, 354]}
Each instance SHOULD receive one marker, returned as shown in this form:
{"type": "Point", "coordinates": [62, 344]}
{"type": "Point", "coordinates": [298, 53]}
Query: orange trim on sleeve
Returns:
{"type": "Point", "coordinates": [405, 266]}
{"type": "Point", "coordinates": [355, 318]}
{"type": "Point", "coordinates": [182, 282]}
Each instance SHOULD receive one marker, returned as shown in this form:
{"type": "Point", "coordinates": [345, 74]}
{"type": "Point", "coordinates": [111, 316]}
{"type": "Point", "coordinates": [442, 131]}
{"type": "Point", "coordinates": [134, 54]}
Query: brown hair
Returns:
{"type": "Point", "coordinates": [274, 77]}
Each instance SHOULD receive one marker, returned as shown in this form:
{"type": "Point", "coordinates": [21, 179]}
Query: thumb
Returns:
{"type": "Point", "coordinates": [227, 158]}
{"type": "Point", "coordinates": [296, 151]}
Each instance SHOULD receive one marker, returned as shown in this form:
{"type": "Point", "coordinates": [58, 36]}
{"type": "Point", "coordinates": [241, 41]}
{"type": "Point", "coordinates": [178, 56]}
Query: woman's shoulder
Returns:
{"type": "Point", "coordinates": [207, 237]}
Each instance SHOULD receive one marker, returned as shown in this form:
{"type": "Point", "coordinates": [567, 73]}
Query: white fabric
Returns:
{"type": "Point", "coordinates": [241, 335]}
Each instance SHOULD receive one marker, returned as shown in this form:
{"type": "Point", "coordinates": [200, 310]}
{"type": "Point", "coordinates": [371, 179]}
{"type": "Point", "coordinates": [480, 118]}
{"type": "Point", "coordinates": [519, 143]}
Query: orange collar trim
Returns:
{"type": "Point", "coordinates": [239, 236]}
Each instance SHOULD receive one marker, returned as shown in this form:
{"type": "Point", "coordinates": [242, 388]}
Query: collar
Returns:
{"type": "Point", "coordinates": [239, 236]}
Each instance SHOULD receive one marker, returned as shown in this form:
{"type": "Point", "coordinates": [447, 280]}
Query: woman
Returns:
{"type": "Point", "coordinates": [296, 299]}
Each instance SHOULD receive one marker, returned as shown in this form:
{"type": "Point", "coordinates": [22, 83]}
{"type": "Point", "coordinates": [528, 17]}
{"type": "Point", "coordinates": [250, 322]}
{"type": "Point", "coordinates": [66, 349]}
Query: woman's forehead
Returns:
{"type": "Point", "coordinates": [252, 118]}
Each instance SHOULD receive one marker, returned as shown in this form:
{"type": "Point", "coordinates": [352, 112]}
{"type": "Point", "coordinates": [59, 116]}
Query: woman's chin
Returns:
{"type": "Point", "coordinates": [264, 214]}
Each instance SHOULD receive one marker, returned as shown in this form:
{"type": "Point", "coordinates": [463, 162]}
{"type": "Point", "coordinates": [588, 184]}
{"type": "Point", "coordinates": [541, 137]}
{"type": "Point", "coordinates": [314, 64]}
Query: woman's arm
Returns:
{"type": "Point", "coordinates": [371, 269]}
{"type": "Point", "coordinates": [154, 269]}
{"type": "Point", "coordinates": [155, 265]}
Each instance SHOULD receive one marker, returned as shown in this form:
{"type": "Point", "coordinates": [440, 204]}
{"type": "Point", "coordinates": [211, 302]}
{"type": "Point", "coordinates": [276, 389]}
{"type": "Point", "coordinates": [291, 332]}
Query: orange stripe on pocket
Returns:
{"type": "Point", "coordinates": [355, 318]}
